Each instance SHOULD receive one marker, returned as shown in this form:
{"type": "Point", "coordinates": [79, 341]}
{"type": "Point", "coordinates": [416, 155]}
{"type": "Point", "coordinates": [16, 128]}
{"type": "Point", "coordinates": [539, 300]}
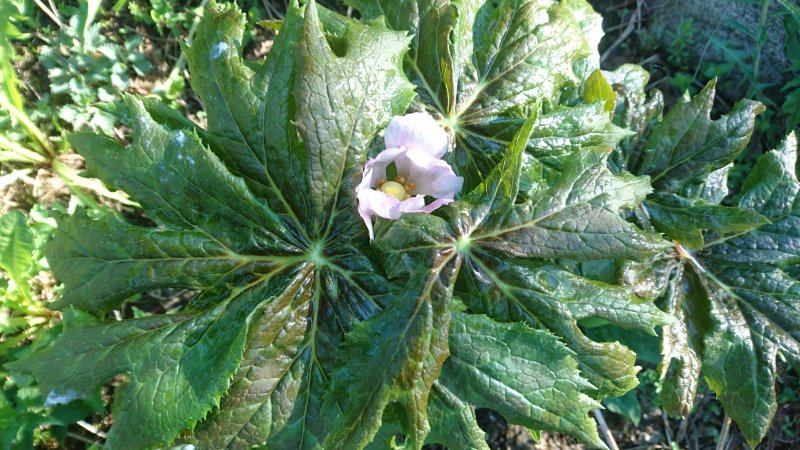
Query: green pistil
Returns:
{"type": "Point", "coordinates": [394, 189]}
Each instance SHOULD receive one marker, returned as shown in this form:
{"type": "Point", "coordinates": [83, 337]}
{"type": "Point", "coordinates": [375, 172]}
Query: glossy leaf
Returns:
{"type": "Point", "coordinates": [687, 144]}
{"type": "Point", "coordinates": [740, 307]}
{"type": "Point", "coordinates": [429, 61]}
{"type": "Point", "coordinates": [343, 100]}
{"type": "Point", "coordinates": [578, 217]}
{"type": "Point", "coordinates": [494, 62]}
{"type": "Point", "coordinates": [267, 288]}
{"type": "Point", "coordinates": [531, 377]}
{"type": "Point", "coordinates": [682, 343]}
{"type": "Point", "coordinates": [494, 282]}
{"type": "Point", "coordinates": [183, 360]}
{"type": "Point", "coordinates": [581, 204]}
{"type": "Point", "coordinates": [685, 220]}
{"type": "Point", "coordinates": [393, 357]}
{"type": "Point", "coordinates": [598, 89]}
{"type": "Point", "coordinates": [757, 308]}
{"type": "Point", "coordinates": [250, 112]}
{"type": "Point", "coordinates": [16, 248]}
{"type": "Point", "coordinates": [458, 427]}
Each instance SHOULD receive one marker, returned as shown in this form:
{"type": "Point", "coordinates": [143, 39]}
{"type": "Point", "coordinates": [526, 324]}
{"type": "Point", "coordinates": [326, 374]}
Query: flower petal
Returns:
{"type": "Point", "coordinates": [430, 176]}
{"type": "Point", "coordinates": [375, 169]}
{"type": "Point", "coordinates": [415, 204]}
{"type": "Point", "coordinates": [436, 204]}
{"type": "Point", "coordinates": [376, 203]}
{"type": "Point", "coordinates": [417, 131]}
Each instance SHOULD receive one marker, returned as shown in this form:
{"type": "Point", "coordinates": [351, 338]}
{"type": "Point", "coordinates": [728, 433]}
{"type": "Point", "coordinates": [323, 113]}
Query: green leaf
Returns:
{"type": "Point", "coordinates": [250, 110]}
{"type": "Point", "coordinates": [556, 135]}
{"type": "Point", "coordinates": [496, 283]}
{"type": "Point", "coordinates": [278, 391]}
{"type": "Point", "coordinates": [685, 220]}
{"type": "Point", "coordinates": [499, 190]}
{"type": "Point", "coordinates": [739, 360]}
{"type": "Point", "coordinates": [772, 189]}
{"type": "Point", "coordinates": [546, 296]}
{"type": "Point", "coordinates": [183, 360]}
{"type": "Point", "coordinates": [103, 262]}
{"type": "Point", "coordinates": [627, 406]}
{"type": "Point", "coordinates": [304, 334]}
{"type": "Point", "coordinates": [687, 144]}
{"type": "Point", "coordinates": [527, 375]}
{"type": "Point", "coordinates": [277, 293]}
{"type": "Point", "coordinates": [682, 342]}
{"type": "Point", "coordinates": [483, 66]}
{"type": "Point", "coordinates": [16, 250]}
{"type": "Point", "coordinates": [457, 424]}
{"type": "Point", "coordinates": [598, 89]}
{"type": "Point", "coordinates": [517, 58]}
{"type": "Point", "coordinates": [740, 307]}
{"type": "Point", "coordinates": [429, 60]}
{"type": "Point", "coordinates": [342, 101]}
{"type": "Point", "coordinates": [259, 399]}
{"type": "Point", "coordinates": [508, 289]}
{"type": "Point", "coordinates": [578, 217]}
{"type": "Point", "coordinates": [181, 184]}
{"type": "Point", "coordinates": [393, 357]}
{"type": "Point", "coordinates": [713, 189]}
{"type": "Point", "coordinates": [637, 111]}
{"type": "Point", "coordinates": [567, 130]}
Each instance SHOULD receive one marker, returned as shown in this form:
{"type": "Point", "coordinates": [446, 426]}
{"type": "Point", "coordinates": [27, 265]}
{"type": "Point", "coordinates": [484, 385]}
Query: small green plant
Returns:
{"type": "Point", "coordinates": [791, 105]}
{"type": "Point", "coordinates": [682, 40]}
{"type": "Point", "coordinates": [25, 290]}
{"type": "Point", "coordinates": [24, 142]}
{"type": "Point", "coordinates": [164, 15]}
{"type": "Point", "coordinates": [84, 65]}
{"type": "Point", "coordinates": [24, 311]}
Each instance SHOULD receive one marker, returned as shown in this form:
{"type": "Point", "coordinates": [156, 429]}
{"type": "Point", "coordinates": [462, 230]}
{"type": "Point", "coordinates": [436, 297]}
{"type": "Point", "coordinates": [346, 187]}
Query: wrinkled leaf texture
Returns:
{"type": "Point", "coordinates": [733, 282]}
{"type": "Point", "coordinates": [305, 335]}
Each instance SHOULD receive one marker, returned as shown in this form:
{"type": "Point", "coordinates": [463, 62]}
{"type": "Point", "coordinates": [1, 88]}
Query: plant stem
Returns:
{"type": "Point", "coordinates": [601, 422]}
{"type": "Point", "coordinates": [53, 14]}
{"type": "Point", "coordinates": [761, 35]}
{"type": "Point", "coordinates": [723, 434]}
{"type": "Point", "coordinates": [31, 127]}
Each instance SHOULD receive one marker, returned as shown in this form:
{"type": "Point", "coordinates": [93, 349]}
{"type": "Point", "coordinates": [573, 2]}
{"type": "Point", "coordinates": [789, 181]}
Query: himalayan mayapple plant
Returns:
{"type": "Point", "coordinates": [395, 220]}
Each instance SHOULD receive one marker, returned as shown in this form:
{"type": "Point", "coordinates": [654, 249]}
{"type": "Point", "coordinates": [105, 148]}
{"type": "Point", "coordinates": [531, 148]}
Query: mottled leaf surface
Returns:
{"type": "Point", "coordinates": [343, 100]}
{"type": "Point", "coordinates": [687, 144]}
{"type": "Point", "coordinates": [531, 375]}
{"type": "Point", "coordinates": [735, 299]}
{"type": "Point", "coordinates": [304, 334]}
{"type": "Point", "coordinates": [251, 357]}
{"type": "Point", "coordinates": [494, 280]}
{"type": "Point", "coordinates": [756, 302]}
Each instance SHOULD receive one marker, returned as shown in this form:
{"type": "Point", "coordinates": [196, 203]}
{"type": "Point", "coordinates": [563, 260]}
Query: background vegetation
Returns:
{"type": "Point", "coordinates": [63, 63]}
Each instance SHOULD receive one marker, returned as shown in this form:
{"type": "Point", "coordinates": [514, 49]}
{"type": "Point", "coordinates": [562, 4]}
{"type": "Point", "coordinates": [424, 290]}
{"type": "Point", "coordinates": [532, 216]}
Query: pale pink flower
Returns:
{"type": "Point", "coordinates": [415, 143]}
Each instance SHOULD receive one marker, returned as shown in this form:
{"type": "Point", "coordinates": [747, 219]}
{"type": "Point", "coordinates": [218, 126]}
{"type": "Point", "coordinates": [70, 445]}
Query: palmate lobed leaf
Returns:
{"type": "Point", "coordinates": [754, 302]}
{"type": "Point", "coordinates": [205, 189]}
{"type": "Point", "coordinates": [177, 359]}
{"type": "Point", "coordinates": [495, 282]}
{"type": "Point", "coordinates": [735, 301]}
{"type": "Point", "coordinates": [304, 335]}
{"type": "Point", "coordinates": [543, 393]}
